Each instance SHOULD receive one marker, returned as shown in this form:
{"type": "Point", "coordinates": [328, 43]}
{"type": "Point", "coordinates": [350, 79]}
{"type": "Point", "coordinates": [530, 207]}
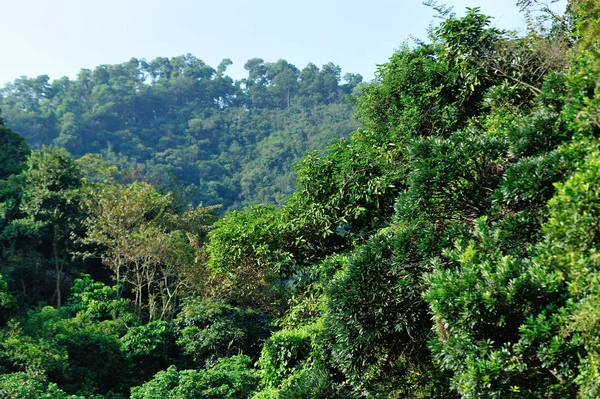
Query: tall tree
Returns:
{"type": "Point", "coordinates": [146, 241]}
{"type": "Point", "coordinates": [51, 200]}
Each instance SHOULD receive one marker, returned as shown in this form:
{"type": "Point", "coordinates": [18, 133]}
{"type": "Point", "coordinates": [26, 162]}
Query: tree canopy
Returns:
{"type": "Point", "coordinates": [177, 119]}
{"type": "Point", "coordinates": [446, 248]}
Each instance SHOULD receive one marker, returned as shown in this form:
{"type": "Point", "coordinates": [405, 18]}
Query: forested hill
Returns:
{"type": "Point", "coordinates": [181, 120]}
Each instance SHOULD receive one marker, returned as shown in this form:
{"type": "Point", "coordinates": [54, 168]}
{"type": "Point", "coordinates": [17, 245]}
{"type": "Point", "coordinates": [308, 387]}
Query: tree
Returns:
{"type": "Point", "coordinates": [209, 329]}
{"type": "Point", "coordinates": [117, 212]}
{"type": "Point", "coordinates": [497, 321]}
{"type": "Point", "coordinates": [245, 256]}
{"type": "Point", "coordinates": [51, 197]}
{"type": "Point", "coordinates": [23, 385]}
{"type": "Point", "coordinates": [178, 118]}
{"type": "Point", "coordinates": [231, 378]}
{"type": "Point", "coordinates": [13, 152]}
{"type": "Point", "coordinates": [146, 241]}
{"type": "Point", "coordinates": [376, 318]}
{"type": "Point", "coordinates": [13, 157]}
{"type": "Point", "coordinates": [78, 354]}
{"type": "Point", "coordinates": [7, 301]}
{"type": "Point", "coordinates": [570, 250]}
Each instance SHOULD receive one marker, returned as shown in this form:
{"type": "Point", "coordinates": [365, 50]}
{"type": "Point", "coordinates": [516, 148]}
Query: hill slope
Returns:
{"type": "Point", "coordinates": [180, 119]}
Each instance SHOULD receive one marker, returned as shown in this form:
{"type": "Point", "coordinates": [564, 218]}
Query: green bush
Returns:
{"type": "Point", "coordinates": [572, 248]}
{"type": "Point", "coordinates": [209, 329]}
{"type": "Point", "coordinates": [8, 303]}
{"type": "Point", "coordinates": [378, 323]}
{"type": "Point", "coordinates": [79, 354]}
{"type": "Point", "coordinates": [98, 300]}
{"type": "Point", "coordinates": [28, 386]}
{"type": "Point", "coordinates": [230, 378]}
{"type": "Point", "coordinates": [282, 354]}
{"type": "Point", "coordinates": [498, 322]}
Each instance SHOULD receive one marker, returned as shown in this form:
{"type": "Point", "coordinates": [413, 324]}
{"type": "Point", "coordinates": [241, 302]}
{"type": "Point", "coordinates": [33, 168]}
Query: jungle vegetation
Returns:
{"type": "Point", "coordinates": [447, 248]}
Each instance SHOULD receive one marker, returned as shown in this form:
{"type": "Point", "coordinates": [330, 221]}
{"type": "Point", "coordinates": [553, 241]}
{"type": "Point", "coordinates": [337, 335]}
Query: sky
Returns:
{"type": "Point", "coordinates": [59, 37]}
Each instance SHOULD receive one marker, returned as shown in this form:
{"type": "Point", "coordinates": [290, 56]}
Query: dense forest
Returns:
{"type": "Point", "coordinates": [447, 248]}
{"type": "Point", "coordinates": [174, 120]}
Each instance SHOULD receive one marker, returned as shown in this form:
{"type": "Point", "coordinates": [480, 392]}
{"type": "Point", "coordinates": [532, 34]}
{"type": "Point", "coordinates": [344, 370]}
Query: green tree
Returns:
{"type": "Point", "coordinates": [496, 320]}
{"type": "Point", "coordinates": [570, 249]}
{"type": "Point", "coordinates": [146, 242]}
{"type": "Point", "coordinates": [231, 378]}
{"type": "Point", "coordinates": [51, 198]}
{"type": "Point", "coordinates": [7, 301]}
{"type": "Point", "coordinates": [13, 152]}
{"type": "Point", "coordinates": [209, 329]}
{"type": "Point", "coordinates": [13, 157]}
{"type": "Point", "coordinates": [22, 385]}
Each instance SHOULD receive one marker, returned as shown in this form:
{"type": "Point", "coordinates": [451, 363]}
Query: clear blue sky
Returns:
{"type": "Point", "coordinates": [60, 37]}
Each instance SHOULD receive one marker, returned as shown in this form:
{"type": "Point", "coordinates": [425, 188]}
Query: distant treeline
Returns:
{"type": "Point", "coordinates": [180, 120]}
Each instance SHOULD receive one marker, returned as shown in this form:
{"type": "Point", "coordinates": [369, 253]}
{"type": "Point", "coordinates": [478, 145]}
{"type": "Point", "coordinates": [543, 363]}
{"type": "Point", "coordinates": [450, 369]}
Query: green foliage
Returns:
{"type": "Point", "coordinates": [230, 378]}
{"type": "Point", "coordinates": [294, 363]}
{"type": "Point", "coordinates": [376, 316]}
{"type": "Point", "coordinates": [345, 196]}
{"type": "Point", "coordinates": [150, 347]}
{"type": "Point", "coordinates": [149, 339]}
{"type": "Point", "coordinates": [13, 152]}
{"type": "Point", "coordinates": [210, 329]}
{"type": "Point", "coordinates": [584, 98]}
{"type": "Point", "coordinates": [78, 354]}
{"type": "Point", "coordinates": [463, 128]}
{"type": "Point", "coordinates": [52, 183]}
{"type": "Point", "coordinates": [97, 300]}
{"type": "Point", "coordinates": [570, 247]}
{"type": "Point", "coordinates": [537, 133]}
{"type": "Point", "coordinates": [24, 352]}
{"type": "Point", "coordinates": [307, 304]}
{"type": "Point", "coordinates": [284, 353]}
{"type": "Point", "coordinates": [466, 42]}
{"type": "Point", "coordinates": [30, 386]}
{"type": "Point", "coordinates": [344, 191]}
{"type": "Point", "coordinates": [94, 355]}
{"type": "Point", "coordinates": [244, 249]}
{"type": "Point", "coordinates": [571, 228]}
{"type": "Point", "coordinates": [447, 248]}
{"type": "Point", "coordinates": [146, 241]}
{"type": "Point", "coordinates": [7, 301]}
{"type": "Point", "coordinates": [452, 179]}
{"type": "Point", "coordinates": [528, 184]}
{"type": "Point", "coordinates": [481, 303]}
{"type": "Point", "coordinates": [50, 203]}
{"type": "Point", "coordinates": [179, 119]}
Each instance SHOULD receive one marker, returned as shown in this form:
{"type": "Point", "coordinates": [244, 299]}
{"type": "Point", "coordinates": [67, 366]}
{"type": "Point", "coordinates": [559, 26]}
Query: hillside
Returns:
{"type": "Point", "coordinates": [180, 121]}
{"type": "Point", "coordinates": [447, 249]}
